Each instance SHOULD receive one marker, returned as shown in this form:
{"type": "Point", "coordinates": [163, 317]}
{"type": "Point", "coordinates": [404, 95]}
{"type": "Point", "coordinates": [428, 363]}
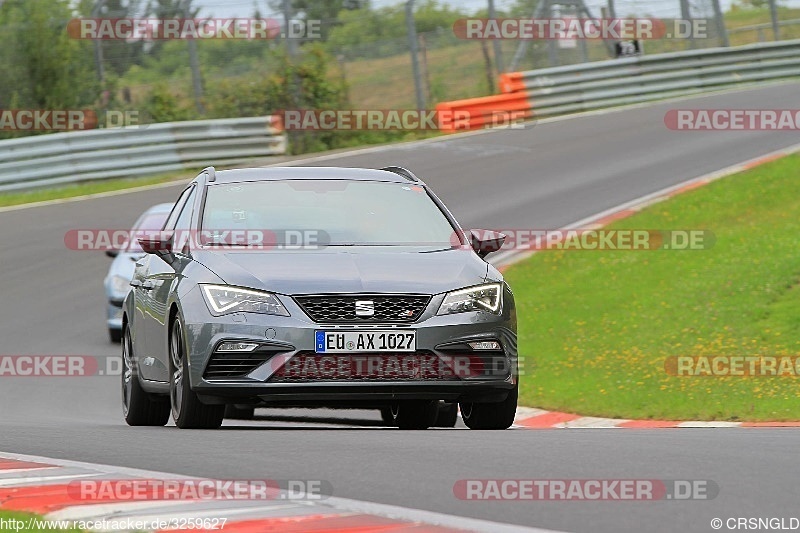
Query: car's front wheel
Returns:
{"type": "Point", "coordinates": [139, 407]}
{"type": "Point", "coordinates": [495, 415]}
{"type": "Point", "coordinates": [187, 409]}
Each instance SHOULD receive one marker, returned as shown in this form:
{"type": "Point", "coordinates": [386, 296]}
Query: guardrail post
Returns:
{"type": "Point", "coordinates": [723, 31]}
{"type": "Point", "coordinates": [498, 51]}
{"type": "Point", "coordinates": [411, 27]}
{"type": "Point", "coordinates": [776, 26]}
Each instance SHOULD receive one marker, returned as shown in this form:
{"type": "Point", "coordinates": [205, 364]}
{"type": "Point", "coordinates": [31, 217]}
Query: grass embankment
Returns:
{"type": "Point", "coordinates": [89, 187]}
{"type": "Point", "coordinates": [597, 326]}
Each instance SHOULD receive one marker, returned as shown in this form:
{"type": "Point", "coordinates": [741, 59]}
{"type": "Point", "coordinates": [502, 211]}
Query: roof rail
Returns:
{"type": "Point", "coordinates": [212, 174]}
{"type": "Point", "coordinates": [400, 171]}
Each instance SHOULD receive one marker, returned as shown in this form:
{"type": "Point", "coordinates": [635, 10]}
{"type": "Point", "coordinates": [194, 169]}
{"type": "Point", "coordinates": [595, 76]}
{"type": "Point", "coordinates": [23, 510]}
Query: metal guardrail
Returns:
{"type": "Point", "coordinates": [135, 150]}
{"type": "Point", "coordinates": [588, 86]}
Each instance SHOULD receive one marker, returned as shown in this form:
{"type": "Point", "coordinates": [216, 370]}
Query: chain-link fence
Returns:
{"type": "Point", "coordinates": [377, 72]}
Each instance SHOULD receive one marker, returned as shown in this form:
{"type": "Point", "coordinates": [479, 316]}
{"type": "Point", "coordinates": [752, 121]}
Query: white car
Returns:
{"type": "Point", "coordinates": [120, 273]}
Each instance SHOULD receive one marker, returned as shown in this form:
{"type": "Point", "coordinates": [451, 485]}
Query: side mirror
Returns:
{"type": "Point", "coordinates": [485, 242]}
{"type": "Point", "coordinates": [112, 253]}
{"type": "Point", "coordinates": [159, 244]}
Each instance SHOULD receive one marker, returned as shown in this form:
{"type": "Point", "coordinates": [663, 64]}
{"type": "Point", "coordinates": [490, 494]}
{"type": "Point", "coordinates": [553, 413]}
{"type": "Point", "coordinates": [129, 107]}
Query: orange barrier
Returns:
{"type": "Point", "coordinates": [485, 112]}
{"type": "Point", "coordinates": [511, 82]}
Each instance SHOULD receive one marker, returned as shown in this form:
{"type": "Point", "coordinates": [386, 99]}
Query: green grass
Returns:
{"type": "Point", "coordinates": [89, 187]}
{"type": "Point", "coordinates": [596, 326]}
{"type": "Point", "coordinates": [5, 516]}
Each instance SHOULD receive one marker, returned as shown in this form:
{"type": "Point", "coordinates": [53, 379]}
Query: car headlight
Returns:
{"type": "Point", "coordinates": [119, 287]}
{"type": "Point", "coordinates": [487, 298]}
{"type": "Point", "coordinates": [223, 299]}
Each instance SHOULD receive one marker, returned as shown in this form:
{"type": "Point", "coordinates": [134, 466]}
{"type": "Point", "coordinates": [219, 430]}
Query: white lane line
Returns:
{"type": "Point", "coordinates": [529, 412]}
{"type": "Point", "coordinates": [334, 503]}
{"type": "Point", "coordinates": [591, 422]}
{"type": "Point", "coordinates": [156, 511]}
{"type": "Point", "coordinates": [233, 513]}
{"type": "Point", "coordinates": [711, 424]}
{"type": "Point", "coordinates": [99, 510]}
{"type": "Point", "coordinates": [14, 471]}
{"type": "Point", "coordinates": [299, 160]}
{"type": "Point", "coordinates": [42, 480]}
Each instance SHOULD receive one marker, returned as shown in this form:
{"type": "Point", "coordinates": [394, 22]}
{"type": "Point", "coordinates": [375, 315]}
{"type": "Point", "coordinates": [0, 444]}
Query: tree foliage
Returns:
{"type": "Point", "coordinates": [41, 66]}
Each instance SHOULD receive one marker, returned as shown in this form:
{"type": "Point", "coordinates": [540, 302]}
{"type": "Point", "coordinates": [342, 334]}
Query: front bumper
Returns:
{"type": "Point", "coordinates": [479, 376]}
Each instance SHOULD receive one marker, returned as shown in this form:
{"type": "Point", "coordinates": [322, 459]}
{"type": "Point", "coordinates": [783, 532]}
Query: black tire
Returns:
{"type": "Point", "coordinates": [115, 335]}
{"type": "Point", "coordinates": [496, 415]}
{"type": "Point", "coordinates": [236, 412]}
{"type": "Point", "coordinates": [447, 415]}
{"type": "Point", "coordinates": [415, 414]}
{"type": "Point", "coordinates": [187, 409]}
{"type": "Point", "coordinates": [140, 408]}
{"type": "Point", "coordinates": [386, 416]}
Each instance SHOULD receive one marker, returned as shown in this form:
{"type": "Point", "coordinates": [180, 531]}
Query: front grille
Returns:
{"type": "Point", "coordinates": [306, 367]}
{"type": "Point", "coordinates": [342, 308]}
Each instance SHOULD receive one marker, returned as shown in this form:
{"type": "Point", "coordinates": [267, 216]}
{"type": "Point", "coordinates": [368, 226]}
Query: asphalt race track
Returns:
{"type": "Point", "coordinates": [542, 177]}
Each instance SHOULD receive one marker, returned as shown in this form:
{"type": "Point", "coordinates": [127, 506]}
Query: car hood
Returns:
{"type": "Point", "coordinates": [349, 270]}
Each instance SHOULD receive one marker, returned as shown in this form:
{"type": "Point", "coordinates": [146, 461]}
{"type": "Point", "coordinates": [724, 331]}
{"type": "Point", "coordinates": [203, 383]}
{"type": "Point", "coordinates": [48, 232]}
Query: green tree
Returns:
{"type": "Point", "coordinates": [388, 23]}
{"type": "Point", "coordinates": [41, 66]}
{"type": "Point", "coordinates": [290, 85]}
{"type": "Point", "coordinates": [326, 11]}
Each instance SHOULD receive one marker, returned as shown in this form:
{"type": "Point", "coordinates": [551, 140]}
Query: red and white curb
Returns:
{"type": "Point", "coordinates": [530, 418]}
{"type": "Point", "coordinates": [40, 485]}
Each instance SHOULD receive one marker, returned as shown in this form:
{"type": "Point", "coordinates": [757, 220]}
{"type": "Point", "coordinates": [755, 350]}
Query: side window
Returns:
{"type": "Point", "coordinates": [184, 223]}
{"type": "Point", "coordinates": [176, 210]}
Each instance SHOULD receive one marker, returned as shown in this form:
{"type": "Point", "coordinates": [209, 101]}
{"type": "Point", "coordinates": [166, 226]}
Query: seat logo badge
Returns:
{"type": "Point", "coordinates": [365, 308]}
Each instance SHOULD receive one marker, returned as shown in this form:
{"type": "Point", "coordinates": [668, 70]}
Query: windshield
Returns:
{"type": "Point", "coordinates": [341, 212]}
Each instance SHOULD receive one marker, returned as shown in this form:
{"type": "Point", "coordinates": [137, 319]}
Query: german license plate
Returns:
{"type": "Point", "coordinates": [365, 341]}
